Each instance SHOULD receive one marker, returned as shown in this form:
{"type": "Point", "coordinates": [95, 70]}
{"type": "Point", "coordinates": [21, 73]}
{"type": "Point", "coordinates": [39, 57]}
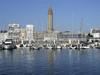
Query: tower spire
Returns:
{"type": "Point", "coordinates": [50, 19]}
{"type": "Point", "coordinates": [49, 6]}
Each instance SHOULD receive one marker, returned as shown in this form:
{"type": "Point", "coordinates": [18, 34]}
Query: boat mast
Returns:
{"type": "Point", "coordinates": [35, 30]}
{"type": "Point", "coordinates": [42, 31]}
{"type": "Point", "coordinates": [81, 26]}
{"type": "Point", "coordinates": [58, 26]}
{"type": "Point", "coordinates": [72, 28]}
{"type": "Point", "coordinates": [3, 30]}
{"type": "Point", "coordinates": [58, 35]}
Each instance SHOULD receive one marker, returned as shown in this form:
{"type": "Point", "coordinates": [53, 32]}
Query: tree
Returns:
{"type": "Point", "coordinates": [89, 35]}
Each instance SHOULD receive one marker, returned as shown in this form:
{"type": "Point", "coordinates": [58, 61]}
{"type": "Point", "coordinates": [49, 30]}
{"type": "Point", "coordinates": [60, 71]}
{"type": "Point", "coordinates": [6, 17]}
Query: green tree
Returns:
{"type": "Point", "coordinates": [89, 35]}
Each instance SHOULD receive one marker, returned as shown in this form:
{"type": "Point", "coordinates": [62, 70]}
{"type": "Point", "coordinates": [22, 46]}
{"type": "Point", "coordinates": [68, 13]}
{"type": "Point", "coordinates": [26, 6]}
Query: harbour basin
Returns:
{"type": "Point", "coordinates": [50, 62]}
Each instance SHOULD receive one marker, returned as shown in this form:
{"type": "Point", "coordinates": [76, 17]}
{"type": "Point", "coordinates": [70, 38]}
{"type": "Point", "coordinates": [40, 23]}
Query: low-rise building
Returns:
{"type": "Point", "coordinates": [95, 32]}
{"type": "Point", "coordinates": [23, 34]}
{"type": "Point", "coordinates": [66, 36]}
{"type": "Point", "coordinates": [46, 35]}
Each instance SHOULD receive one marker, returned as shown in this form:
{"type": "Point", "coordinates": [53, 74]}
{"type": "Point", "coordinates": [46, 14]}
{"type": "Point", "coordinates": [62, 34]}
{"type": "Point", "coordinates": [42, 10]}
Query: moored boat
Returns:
{"type": "Point", "coordinates": [58, 46]}
{"type": "Point", "coordinates": [84, 46]}
{"type": "Point", "coordinates": [8, 44]}
{"type": "Point", "coordinates": [49, 46]}
{"type": "Point", "coordinates": [35, 47]}
{"type": "Point", "coordinates": [72, 46]}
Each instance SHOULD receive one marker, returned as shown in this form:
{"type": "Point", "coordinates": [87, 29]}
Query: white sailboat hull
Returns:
{"type": "Point", "coordinates": [59, 47]}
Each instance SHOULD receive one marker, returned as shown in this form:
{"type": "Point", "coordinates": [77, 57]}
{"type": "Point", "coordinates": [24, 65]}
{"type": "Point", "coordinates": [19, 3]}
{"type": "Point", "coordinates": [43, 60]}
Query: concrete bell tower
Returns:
{"type": "Point", "coordinates": [50, 19]}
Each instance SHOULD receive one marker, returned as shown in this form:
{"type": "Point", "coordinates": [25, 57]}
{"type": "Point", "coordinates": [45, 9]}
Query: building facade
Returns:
{"type": "Point", "coordinates": [30, 32]}
{"type": "Point", "coordinates": [40, 35]}
{"type": "Point", "coordinates": [23, 34]}
{"type": "Point", "coordinates": [3, 36]}
{"type": "Point", "coordinates": [66, 36]}
{"type": "Point", "coordinates": [50, 36]}
{"type": "Point", "coordinates": [14, 31]}
{"type": "Point", "coordinates": [95, 32]}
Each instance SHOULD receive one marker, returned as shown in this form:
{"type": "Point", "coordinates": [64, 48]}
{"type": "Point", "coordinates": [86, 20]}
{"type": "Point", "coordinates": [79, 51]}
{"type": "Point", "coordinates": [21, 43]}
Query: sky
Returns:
{"type": "Point", "coordinates": [67, 14]}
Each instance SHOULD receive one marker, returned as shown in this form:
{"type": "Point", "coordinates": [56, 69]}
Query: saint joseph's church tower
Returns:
{"type": "Point", "coordinates": [50, 19]}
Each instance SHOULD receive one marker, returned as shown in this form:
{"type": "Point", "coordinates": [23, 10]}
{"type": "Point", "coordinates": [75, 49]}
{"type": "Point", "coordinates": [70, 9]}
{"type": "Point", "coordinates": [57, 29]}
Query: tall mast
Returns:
{"type": "Point", "coordinates": [72, 28]}
{"type": "Point", "coordinates": [3, 30]}
{"type": "Point", "coordinates": [81, 26]}
{"type": "Point", "coordinates": [35, 29]}
{"type": "Point", "coordinates": [58, 35]}
{"type": "Point", "coordinates": [42, 31]}
{"type": "Point", "coordinates": [58, 26]}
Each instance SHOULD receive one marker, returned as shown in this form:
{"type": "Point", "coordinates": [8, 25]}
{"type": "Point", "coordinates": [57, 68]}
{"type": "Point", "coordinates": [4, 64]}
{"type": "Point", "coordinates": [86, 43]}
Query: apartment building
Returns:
{"type": "Point", "coordinates": [14, 31]}
{"type": "Point", "coordinates": [30, 32]}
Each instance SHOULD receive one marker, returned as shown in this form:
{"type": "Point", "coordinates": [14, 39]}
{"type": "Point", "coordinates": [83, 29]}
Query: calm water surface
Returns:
{"type": "Point", "coordinates": [50, 62]}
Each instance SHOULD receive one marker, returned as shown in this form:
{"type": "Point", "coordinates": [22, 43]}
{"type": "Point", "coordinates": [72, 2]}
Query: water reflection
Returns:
{"type": "Point", "coordinates": [7, 55]}
{"type": "Point", "coordinates": [78, 55]}
{"type": "Point", "coordinates": [50, 62]}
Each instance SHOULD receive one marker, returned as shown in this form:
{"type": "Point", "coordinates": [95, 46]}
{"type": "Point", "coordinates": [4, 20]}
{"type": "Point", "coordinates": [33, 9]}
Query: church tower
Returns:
{"type": "Point", "coordinates": [50, 19]}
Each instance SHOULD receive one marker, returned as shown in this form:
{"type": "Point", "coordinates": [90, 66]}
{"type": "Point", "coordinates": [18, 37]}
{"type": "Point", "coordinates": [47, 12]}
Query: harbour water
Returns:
{"type": "Point", "coordinates": [50, 62]}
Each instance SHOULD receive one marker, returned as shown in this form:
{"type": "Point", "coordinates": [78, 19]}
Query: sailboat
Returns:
{"type": "Point", "coordinates": [35, 46]}
{"type": "Point", "coordinates": [83, 45]}
{"type": "Point", "coordinates": [58, 46]}
{"type": "Point", "coordinates": [49, 46]}
{"type": "Point", "coordinates": [72, 46]}
{"type": "Point", "coordinates": [42, 43]}
{"type": "Point", "coordinates": [0, 40]}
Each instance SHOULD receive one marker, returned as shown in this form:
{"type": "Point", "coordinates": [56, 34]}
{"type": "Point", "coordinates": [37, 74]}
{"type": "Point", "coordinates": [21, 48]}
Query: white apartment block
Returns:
{"type": "Point", "coordinates": [3, 36]}
{"type": "Point", "coordinates": [30, 32]}
{"type": "Point", "coordinates": [14, 31]}
{"type": "Point", "coordinates": [95, 32]}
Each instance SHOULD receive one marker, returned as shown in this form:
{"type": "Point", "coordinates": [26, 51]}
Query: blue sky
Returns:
{"type": "Point", "coordinates": [25, 11]}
